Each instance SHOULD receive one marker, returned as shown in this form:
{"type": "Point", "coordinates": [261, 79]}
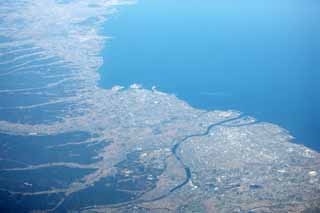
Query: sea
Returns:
{"type": "Point", "coordinates": [259, 57]}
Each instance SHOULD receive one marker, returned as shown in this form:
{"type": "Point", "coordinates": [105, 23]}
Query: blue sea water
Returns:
{"type": "Point", "coordinates": [259, 57]}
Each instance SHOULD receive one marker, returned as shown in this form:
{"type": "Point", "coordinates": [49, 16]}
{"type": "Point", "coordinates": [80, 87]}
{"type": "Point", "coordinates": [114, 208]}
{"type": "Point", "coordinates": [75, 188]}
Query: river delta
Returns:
{"type": "Point", "coordinates": [67, 144]}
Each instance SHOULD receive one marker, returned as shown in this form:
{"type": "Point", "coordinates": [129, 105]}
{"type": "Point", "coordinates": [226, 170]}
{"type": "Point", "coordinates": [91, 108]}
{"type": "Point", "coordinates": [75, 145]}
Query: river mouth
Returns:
{"type": "Point", "coordinates": [264, 65]}
{"type": "Point", "coordinates": [68, 145]}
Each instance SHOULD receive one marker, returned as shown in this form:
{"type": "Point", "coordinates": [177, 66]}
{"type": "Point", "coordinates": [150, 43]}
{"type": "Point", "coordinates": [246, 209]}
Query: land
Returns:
{"type": "Point", "coordinates": [126, 149]}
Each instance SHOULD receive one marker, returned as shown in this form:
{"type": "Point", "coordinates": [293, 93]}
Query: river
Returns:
{"type": "Point", "coordinates": [260, 58]}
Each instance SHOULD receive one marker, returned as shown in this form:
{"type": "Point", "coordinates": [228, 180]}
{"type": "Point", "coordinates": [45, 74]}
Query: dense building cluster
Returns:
{"type": "Point", "coordinates": [67, 144]}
